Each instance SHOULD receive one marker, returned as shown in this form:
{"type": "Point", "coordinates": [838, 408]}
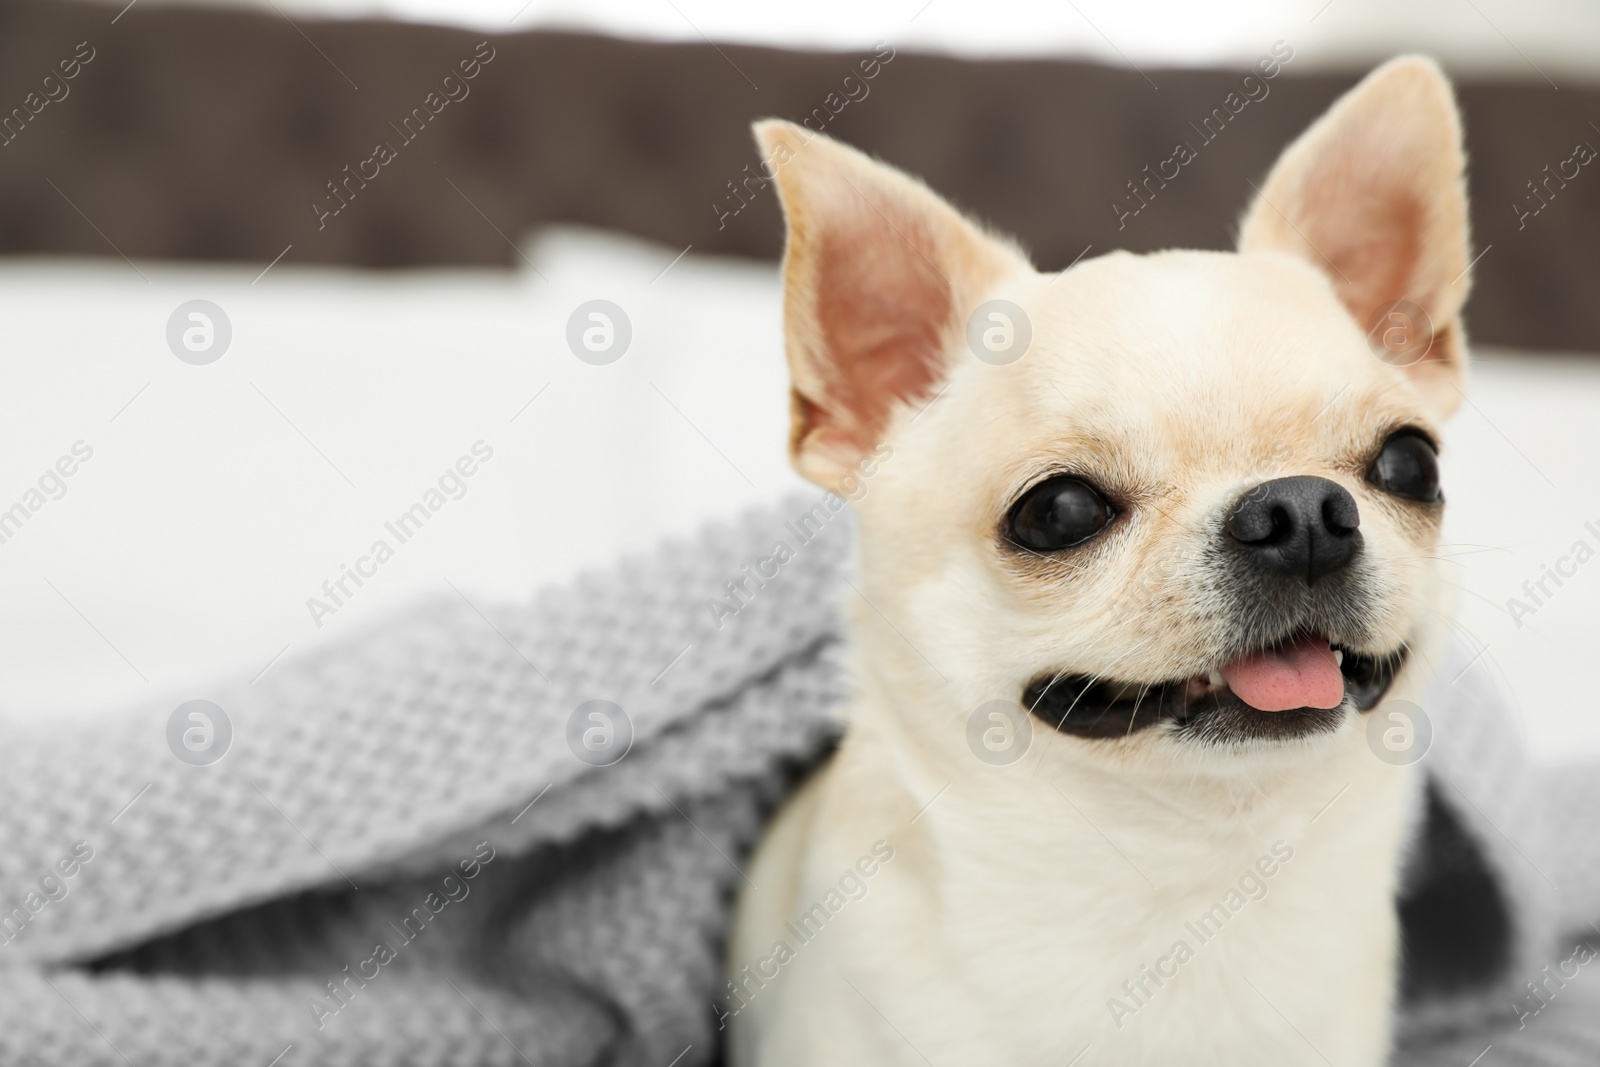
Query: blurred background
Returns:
{"type": "Point", "coordinates": [395, 217]}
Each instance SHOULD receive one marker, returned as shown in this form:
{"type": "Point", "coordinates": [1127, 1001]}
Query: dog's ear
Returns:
{"type": "Point", "coordinates": [879, 275]}
{"type": "Point", "coordinates": [1373, 194]}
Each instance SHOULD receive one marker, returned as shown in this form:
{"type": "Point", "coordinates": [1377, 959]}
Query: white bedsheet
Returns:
{"type": "Point", "coordinates": [220, 498]}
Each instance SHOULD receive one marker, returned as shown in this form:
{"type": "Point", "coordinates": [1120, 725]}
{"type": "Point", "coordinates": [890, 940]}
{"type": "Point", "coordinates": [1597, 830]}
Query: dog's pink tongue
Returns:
{"type": "Point", "coordinates": [1301, 674]}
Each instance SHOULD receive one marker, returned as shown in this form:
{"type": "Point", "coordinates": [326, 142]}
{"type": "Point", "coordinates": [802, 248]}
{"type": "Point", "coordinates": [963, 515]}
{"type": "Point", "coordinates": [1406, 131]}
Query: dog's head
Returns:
{"type": "Point", "coordinates": [1168, 503]}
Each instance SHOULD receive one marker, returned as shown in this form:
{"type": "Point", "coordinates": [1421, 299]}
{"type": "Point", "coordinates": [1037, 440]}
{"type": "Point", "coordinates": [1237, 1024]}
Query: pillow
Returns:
{"type": "Point", "coordinates": [214, 513]}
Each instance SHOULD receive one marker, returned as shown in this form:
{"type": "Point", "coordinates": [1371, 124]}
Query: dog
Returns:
{"type": "Point", "coordinates": [1163, 526]}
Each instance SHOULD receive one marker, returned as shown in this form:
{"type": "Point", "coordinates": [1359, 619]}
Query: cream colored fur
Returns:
{"type": "Point", "coordinates": [1020, 899]}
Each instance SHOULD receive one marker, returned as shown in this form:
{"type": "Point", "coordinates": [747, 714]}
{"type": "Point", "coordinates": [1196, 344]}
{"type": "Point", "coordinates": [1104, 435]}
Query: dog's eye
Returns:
{"type": "Point", "coordinates": [1407, 467]}
{"type": "Point", "coordinates": [1057, 513]}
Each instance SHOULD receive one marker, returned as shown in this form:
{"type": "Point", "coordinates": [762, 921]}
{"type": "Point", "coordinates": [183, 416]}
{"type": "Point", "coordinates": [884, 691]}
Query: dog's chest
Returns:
{"type": "Point", "coordinates": [1127, 945]}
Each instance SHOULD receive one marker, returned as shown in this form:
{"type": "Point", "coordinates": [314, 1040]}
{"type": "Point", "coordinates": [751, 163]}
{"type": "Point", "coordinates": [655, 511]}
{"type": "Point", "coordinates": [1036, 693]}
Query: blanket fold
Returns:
{"type": "Point", "coordinates": [513, 836]}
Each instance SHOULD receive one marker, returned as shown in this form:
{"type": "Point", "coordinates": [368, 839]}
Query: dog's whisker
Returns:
{"type": "Point", "coordinates": [1427, 558]}
{"type": "Point", "coordinates": [1045, 748]}
{"type": "Point", "coordinates": [1482, 548]}
{"type": "Point", "coordinates": [1062, 673]}
{"type": "Point", "coordinates": [1133, 716]}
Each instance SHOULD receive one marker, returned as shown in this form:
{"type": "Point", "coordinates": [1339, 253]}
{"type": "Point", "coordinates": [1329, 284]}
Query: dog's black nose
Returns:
{"type": "Point", "coordinates": [1301, 527]}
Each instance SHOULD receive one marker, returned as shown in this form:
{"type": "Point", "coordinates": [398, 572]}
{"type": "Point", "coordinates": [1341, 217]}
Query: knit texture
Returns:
{"type": "Point", "coordinates": [419, 787]}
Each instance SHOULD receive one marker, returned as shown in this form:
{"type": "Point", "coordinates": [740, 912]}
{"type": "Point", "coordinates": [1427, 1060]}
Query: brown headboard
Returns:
{"type": "Point", "coordinates": [209, 134]}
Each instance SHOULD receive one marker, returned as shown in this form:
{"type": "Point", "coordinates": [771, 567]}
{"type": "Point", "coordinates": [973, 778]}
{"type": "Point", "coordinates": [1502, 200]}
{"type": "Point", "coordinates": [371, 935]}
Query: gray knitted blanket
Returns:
{"type": "Point", "coordinates": [428, 846]}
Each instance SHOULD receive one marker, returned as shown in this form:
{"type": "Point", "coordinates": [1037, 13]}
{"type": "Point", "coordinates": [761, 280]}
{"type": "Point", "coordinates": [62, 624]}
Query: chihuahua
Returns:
{"type": "Point", "coordinates": [1148, 543]}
